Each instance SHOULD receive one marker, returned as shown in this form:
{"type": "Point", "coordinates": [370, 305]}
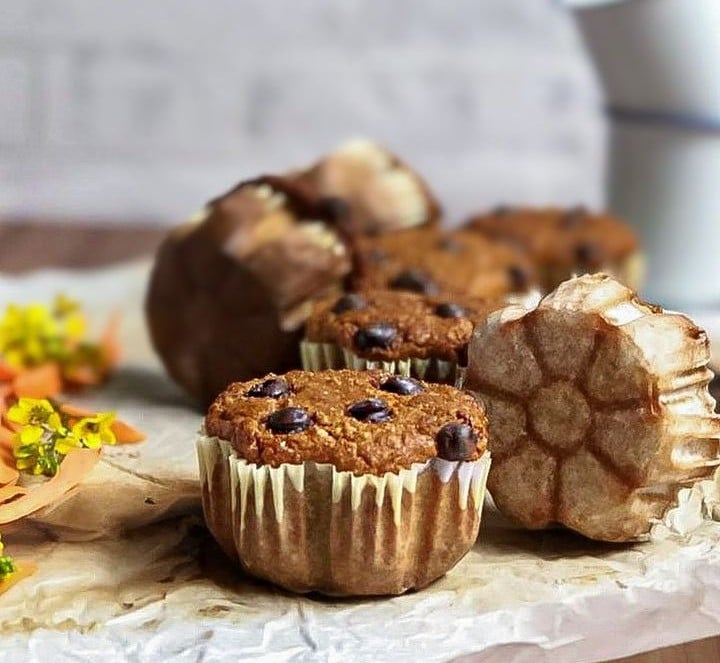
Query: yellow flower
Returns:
{"type": "Point", "coordinates": [64, 305]}
{"type": "Point", "coordinates": [25, 333]}
{"type": "Point", "coordinates": [44, 438]}
{"type": "Point", "coordinates": [93, 432]}
{"type": "Point", "coordinates": [70, 313]}
{"type": "Point", "coordinates": [30, 435]}
{"type": "Point", "coordinates": [7, 565]}
{"type": "Point", "coordinates": [36, 333]}
{"type": "Point", "coordinates": [75, 327]}
{"type": "Point", "coordinates": [35, 412]}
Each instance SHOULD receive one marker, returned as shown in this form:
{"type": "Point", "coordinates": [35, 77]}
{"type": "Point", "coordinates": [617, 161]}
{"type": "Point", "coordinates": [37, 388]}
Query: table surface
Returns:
{"type": "Point", "coordinates": [28, 244]}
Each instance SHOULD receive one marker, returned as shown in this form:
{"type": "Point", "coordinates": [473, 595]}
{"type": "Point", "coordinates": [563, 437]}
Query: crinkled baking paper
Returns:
{"type": "Point", "coordinates": [164, 592]}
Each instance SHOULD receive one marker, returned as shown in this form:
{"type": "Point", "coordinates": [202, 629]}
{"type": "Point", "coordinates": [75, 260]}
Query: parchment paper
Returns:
{"type": "Point", "coordinates": [165, 593]}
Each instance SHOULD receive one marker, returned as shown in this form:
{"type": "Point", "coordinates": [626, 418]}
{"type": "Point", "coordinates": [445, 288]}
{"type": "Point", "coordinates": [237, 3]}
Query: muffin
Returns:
{"type": "Point", "coordinates": [446, 264]}
{"type": "Point", "coordinates": [344, 482]}
{"type": "Point", "coordinates": [407, 333]}
{"type": "Point", "coordinates": [373, 187]}
{"type": "Point", "coordinates": [229, 292]}
{"type": "Point", "coordinates": [598, 406]}
{"type": "Point", "coordinates": [562, 243]}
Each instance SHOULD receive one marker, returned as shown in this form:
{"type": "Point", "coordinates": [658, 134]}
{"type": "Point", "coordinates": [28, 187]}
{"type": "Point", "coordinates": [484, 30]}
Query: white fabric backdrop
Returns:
{"type": "Point", "coordinates": [140, 109]}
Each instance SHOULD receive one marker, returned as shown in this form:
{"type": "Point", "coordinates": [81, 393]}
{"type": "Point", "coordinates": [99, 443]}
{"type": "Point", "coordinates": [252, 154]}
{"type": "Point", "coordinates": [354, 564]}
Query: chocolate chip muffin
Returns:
{"type": "Point", "coordinates": [562, 243]}
{"type": "Point", "coordinates": [371, 187]}
{"type": "Point", "coordinates": [229, 292]}
{"type": "Point", "coordinates": [344, 482]}
{"type": "Point", "coordinates": [402, 332]}
{"type": "Point", "coordinates": [450, 264]}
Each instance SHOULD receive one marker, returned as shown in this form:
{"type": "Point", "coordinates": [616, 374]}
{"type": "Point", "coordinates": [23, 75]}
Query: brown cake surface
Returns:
{"type": "Point", "coordinates": [448, 264]}
{"type": "Point", "coordinates": [389, 325]}
{"type": "Point", "coordinates": [366, 422]}
{"type": "Point", "coordinates": [229, 293]}
{"type": "Point", "coordinates": [562, 242]}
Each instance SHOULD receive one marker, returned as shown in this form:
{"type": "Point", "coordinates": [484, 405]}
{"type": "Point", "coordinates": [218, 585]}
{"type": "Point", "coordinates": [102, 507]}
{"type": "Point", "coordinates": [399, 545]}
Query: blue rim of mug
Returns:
{"type": "Point", "coordinates": [685, 121]}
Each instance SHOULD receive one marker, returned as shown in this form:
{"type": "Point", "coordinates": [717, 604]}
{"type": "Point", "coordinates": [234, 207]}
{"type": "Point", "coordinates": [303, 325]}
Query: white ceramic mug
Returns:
{"type": "Point", "coordinates": [659, 61]}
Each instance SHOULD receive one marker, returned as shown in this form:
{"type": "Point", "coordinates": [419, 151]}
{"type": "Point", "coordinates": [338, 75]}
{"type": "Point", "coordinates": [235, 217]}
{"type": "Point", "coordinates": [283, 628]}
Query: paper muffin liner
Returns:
{"type": "Point", "coordinates": [321, 356]}
{"type": "Point", "coordinates": [310, 527]}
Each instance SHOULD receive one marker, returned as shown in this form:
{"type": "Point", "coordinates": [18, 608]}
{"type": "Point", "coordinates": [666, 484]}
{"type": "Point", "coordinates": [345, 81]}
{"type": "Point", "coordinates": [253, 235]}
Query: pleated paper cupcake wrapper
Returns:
{"type": "Point", "coordinates": [310, 527]}
{"type": "Point", "coordinates": [321, 356]}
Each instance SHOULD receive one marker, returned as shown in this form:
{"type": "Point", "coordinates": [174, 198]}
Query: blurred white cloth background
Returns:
{"type": "Point", "coordinates": [143, 110]}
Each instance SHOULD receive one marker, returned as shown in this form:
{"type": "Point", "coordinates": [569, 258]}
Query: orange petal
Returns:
{"type": "Point", "coordinates": [9, 425]}
{"type": "Point", "coordinates": [109, 343]}
{"type": "Point", "coordinates": [74, 468]}
{"type": "Point", "coordinates": [24, 570]}
{"type": "Point", "coordinates": [7, 372]}
{"type": "Point", "coordinates": [126, 434]}
{"type": "Point", "coordinates": [85, 376]}
{"type": "Point", "coordinates": [6, 436]}
{"type": "Point", "coordinates": [6, 391]}
{"type": "Point", "coordinates": [39, 382]}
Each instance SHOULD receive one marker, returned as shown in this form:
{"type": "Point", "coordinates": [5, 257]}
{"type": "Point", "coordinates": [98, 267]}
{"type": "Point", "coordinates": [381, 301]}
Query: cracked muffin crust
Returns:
{"type": "Point", "coordinates": [450, 264]}
{"type": "Point", "coordinates": [392, 324]}
{"type": "Point", "coordinates": [343, 482]}
{"type": "Point", "coordinates": [229, 292]}
{"type": "Point", "coordinates": [566, 242]}
{"type": "Point", "coordinates": [360, 422]}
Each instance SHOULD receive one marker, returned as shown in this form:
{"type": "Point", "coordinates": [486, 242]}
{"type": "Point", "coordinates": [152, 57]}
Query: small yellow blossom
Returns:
{"type": "Point", "coordinates": [35, 334]}
{"type": "Point", "coordinates": [35, 412]}
{"type": "Point", "coordinates": [27, 334]}
{"type": "Point", "coordinates": [69, 313]}
{"type": "Point", "coordinates": [7, 565]}
{"type": "Point", "coordinates": [30, 435]}
{"type": "Point", "coordinates": [46, 436]}
{"type": "Point", "coordinates": [95, 431]}
{"type": "Point", "coordinates": [64, 305]}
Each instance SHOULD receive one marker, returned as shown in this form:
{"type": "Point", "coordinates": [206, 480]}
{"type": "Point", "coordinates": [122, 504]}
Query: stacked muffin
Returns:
{"type": "Point", "coordinates": [365, 473]}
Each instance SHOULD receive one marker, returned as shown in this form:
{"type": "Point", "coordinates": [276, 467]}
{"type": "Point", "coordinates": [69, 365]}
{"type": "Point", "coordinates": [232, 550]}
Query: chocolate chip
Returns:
{"type": "Point", "coordinates": [450, 244]}
{"type": "Point", "coordinates": [376, 335]}
{"type": "Point", "coordinates": [450, 310]}
{"type": "Point", "coordinates": [270, 388]}
{"type": "Point", "coordinates": [456, 441]}
{"type": "Point", "coordinates": [351, 302]}
{"type": "Point", "coordinates": [588, 254]}
{"type": "Point", "coordinates": [334, 208]}
{"type": "Point", "coordinates": [373, 410]}
{"type": "Point", "coordinates": [402, 386]}
{"type": "Point", "coordinates": [288, 420]}
{"type": "Point", "coordinates": [518, 278]}
{"type": "Point", "coordinates": [414, 280]}
{"type": "Point", "coordinates": [574, 217]}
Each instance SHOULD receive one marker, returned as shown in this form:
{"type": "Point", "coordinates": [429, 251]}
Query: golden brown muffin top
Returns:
{"type": "Point", "coordinates": [389, 325]}
{"type": "Point", "coordinates": [367, 422]}
{"type": "Point", "coordinates": [563, 237]}
{"type": "Point", "coordinates": [450, 264]}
